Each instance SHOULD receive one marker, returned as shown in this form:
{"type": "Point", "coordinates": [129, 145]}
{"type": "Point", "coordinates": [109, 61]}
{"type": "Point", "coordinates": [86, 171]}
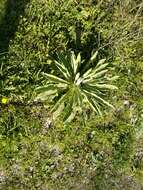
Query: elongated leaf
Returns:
{"type": "Point", "coordinates": [63, 70]}
{"type": "Point", "coordinates": [101, 67]}
{"type": "Point", "coordinates": [87, 73]}
{"type": "Point", "coordinates": [78, 61]}
{"type": "Point", "coordinates": [71, 116]}
{"type": "Point", "coordinates": [58, 111]}
{"type": "Point", "coordinates": [68, 111]}
{"type": "Point", "coordinates": [93, 57]}
{"type": "Point", "coordinates": [55, 79]}
{"type": "Point", "coordinates": [99, 98]}
{"type": "Point", "coordinates": [106, 86]}
{"type": "Point", "coordinates": [92, 88]}
{"type": "Point", "coordinates": [65, 60]}
{"type": "Point", "coordinates": [92, 77]}
{"type": "Point", "coordinates": [96, 106]}
{"type": "Point", "coordinates": [74, 63]}
{"type": "Point", "coordinates": [45, 88]}
{"type": "Point", "coordinates": [100, 62]}
{"type": "Point", "coordinates": [113, 78]}
{"type": "Point", "coordinates": [90, 102]}
{"type": "Point", "coordinates": [62, 100]}
{"type": "Point", "coordinates": [78, 97]}
{"type": "Point", "coordinates": [45, 95]}
{"type": "Point", "coordinates": [98, 70]}
{"type": "Point", "coordinates": [59, 102]}
{"type": "Point", "coordinates": [101, 73]}
{"type": "Point", "coordinates": [77, 77]}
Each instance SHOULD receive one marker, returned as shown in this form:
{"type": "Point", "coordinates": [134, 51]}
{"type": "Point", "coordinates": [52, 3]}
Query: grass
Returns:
{"type": "Point", "coordinates": [35, 156]}
{"type": "Point", "coordinates": [105, 154]}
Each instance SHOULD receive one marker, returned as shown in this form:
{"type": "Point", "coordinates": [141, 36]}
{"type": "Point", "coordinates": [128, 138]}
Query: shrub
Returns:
{"type": "Point", "coordinates": [77, 85]}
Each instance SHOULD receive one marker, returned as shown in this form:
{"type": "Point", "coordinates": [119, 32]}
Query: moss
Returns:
{"type": "Point", "coordinates": [106, 153]}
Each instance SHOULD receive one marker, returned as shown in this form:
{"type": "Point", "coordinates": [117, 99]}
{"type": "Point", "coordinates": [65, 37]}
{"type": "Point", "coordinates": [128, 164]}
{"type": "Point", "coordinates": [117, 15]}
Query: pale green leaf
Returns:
{"type": "Point", "coordinates": [63, 70]}
{"type": "Point", "coordinates": [106, 86]}
{"type": "Point", "coordinates": [45, 95]}
{"type": "Point", "coordinates": [55, 79]}
{"type": "Point", "coordinates": [93, 57]}
{"type": "Point", "coordinates": [99, 98]}
{"type": "Point", "coordinates": [100, 62]}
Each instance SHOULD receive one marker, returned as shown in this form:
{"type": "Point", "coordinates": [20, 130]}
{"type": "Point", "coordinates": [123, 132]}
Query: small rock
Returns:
{"type": "Point", "coordinates": [70, 168]}
{"type": "Point", "coordinates": [56, 151]}
{"type": "Point", "coordinates": [126, 103]}
{"type": "Point", "coordinates": [48, 124]}
{"type": "Point", "coordinates": [57, 175]}
{"type": "Point", "coordinates": [2, 177]}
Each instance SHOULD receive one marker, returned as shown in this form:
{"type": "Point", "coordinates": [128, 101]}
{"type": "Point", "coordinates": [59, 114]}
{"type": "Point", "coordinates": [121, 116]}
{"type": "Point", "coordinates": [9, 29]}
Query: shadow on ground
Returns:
{"type": "Point", "coordinates": [10, 21]}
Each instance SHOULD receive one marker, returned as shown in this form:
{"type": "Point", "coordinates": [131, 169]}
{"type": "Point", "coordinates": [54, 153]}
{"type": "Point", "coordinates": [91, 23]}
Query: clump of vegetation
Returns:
{"type": "Point", "coordinates": [77, 85]}
{"type": "Point", "coordinates": [39, 153]}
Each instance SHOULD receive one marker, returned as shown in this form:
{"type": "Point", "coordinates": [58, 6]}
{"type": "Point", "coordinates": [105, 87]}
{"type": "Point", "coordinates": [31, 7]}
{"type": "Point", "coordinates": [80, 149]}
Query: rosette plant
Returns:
{"type": "Point", "coordinates": [77, 85]}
